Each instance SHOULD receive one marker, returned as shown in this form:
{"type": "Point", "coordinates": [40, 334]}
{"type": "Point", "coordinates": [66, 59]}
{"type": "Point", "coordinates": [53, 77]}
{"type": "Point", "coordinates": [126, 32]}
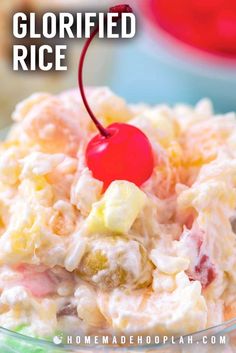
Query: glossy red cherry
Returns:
{"type": "Point", "coordinates": [125, 155]}
{"type": "Point", "coordinates": [120, 151]}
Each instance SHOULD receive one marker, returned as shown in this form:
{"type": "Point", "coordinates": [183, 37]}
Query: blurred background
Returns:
{"type": "Point", "coordinates": [184, 50]}
{"type": "Point", "coordinates": [15, 86]}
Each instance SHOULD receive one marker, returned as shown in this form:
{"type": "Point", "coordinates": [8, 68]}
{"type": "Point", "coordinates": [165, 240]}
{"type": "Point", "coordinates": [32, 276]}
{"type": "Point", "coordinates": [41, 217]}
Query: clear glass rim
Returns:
{"type": "Point", "coordinates": [217, 330]}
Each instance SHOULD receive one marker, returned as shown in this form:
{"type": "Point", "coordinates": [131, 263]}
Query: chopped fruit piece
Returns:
{"type": "Point", "coordinates": [107, 269]}
{"type": "Point", "coordinates": [40, 284]}
{"type": "Point", "coordinates": [117, 211]}
{"type": "Point", "coordinates": [202, 269]}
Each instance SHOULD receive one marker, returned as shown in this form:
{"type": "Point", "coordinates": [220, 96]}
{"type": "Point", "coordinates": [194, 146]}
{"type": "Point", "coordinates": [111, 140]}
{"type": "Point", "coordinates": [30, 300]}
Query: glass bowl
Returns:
{"type": "Point", "coordinates": [220, 338]}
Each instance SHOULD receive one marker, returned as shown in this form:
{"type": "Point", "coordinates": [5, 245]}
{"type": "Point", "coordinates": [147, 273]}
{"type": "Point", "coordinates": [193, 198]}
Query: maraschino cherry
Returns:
{"type": "Point", "coordinates": [120, 151]}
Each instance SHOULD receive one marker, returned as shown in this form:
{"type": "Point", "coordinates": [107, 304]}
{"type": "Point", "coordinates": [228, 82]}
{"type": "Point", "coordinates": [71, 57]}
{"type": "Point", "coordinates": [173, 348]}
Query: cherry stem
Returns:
{"type": "Point", "coordinates": [116, 9]}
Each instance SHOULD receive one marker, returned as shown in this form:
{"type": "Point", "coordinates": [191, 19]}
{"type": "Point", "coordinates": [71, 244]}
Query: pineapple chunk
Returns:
{"type": "Point", "coordinates": [114, 261]}
{"type": "Point", "coordinates": [117, 211]}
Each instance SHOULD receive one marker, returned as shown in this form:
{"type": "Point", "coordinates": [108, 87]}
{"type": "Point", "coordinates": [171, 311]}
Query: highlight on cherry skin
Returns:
{"type": "Point", "coordinates": [120, 151]}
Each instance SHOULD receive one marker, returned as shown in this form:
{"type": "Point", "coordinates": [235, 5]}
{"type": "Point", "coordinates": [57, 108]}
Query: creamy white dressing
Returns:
{"type": "Point", "coordinates": [176, 253]}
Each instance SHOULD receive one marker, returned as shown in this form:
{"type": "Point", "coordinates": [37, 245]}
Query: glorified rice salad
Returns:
{"type": "Point", "coordinates": [78, 257]}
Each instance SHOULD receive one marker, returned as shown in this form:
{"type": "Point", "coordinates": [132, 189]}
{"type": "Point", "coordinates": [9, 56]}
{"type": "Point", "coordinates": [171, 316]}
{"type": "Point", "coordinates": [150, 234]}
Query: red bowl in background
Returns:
{"type": "Point", "coordinates": [209, 25]}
